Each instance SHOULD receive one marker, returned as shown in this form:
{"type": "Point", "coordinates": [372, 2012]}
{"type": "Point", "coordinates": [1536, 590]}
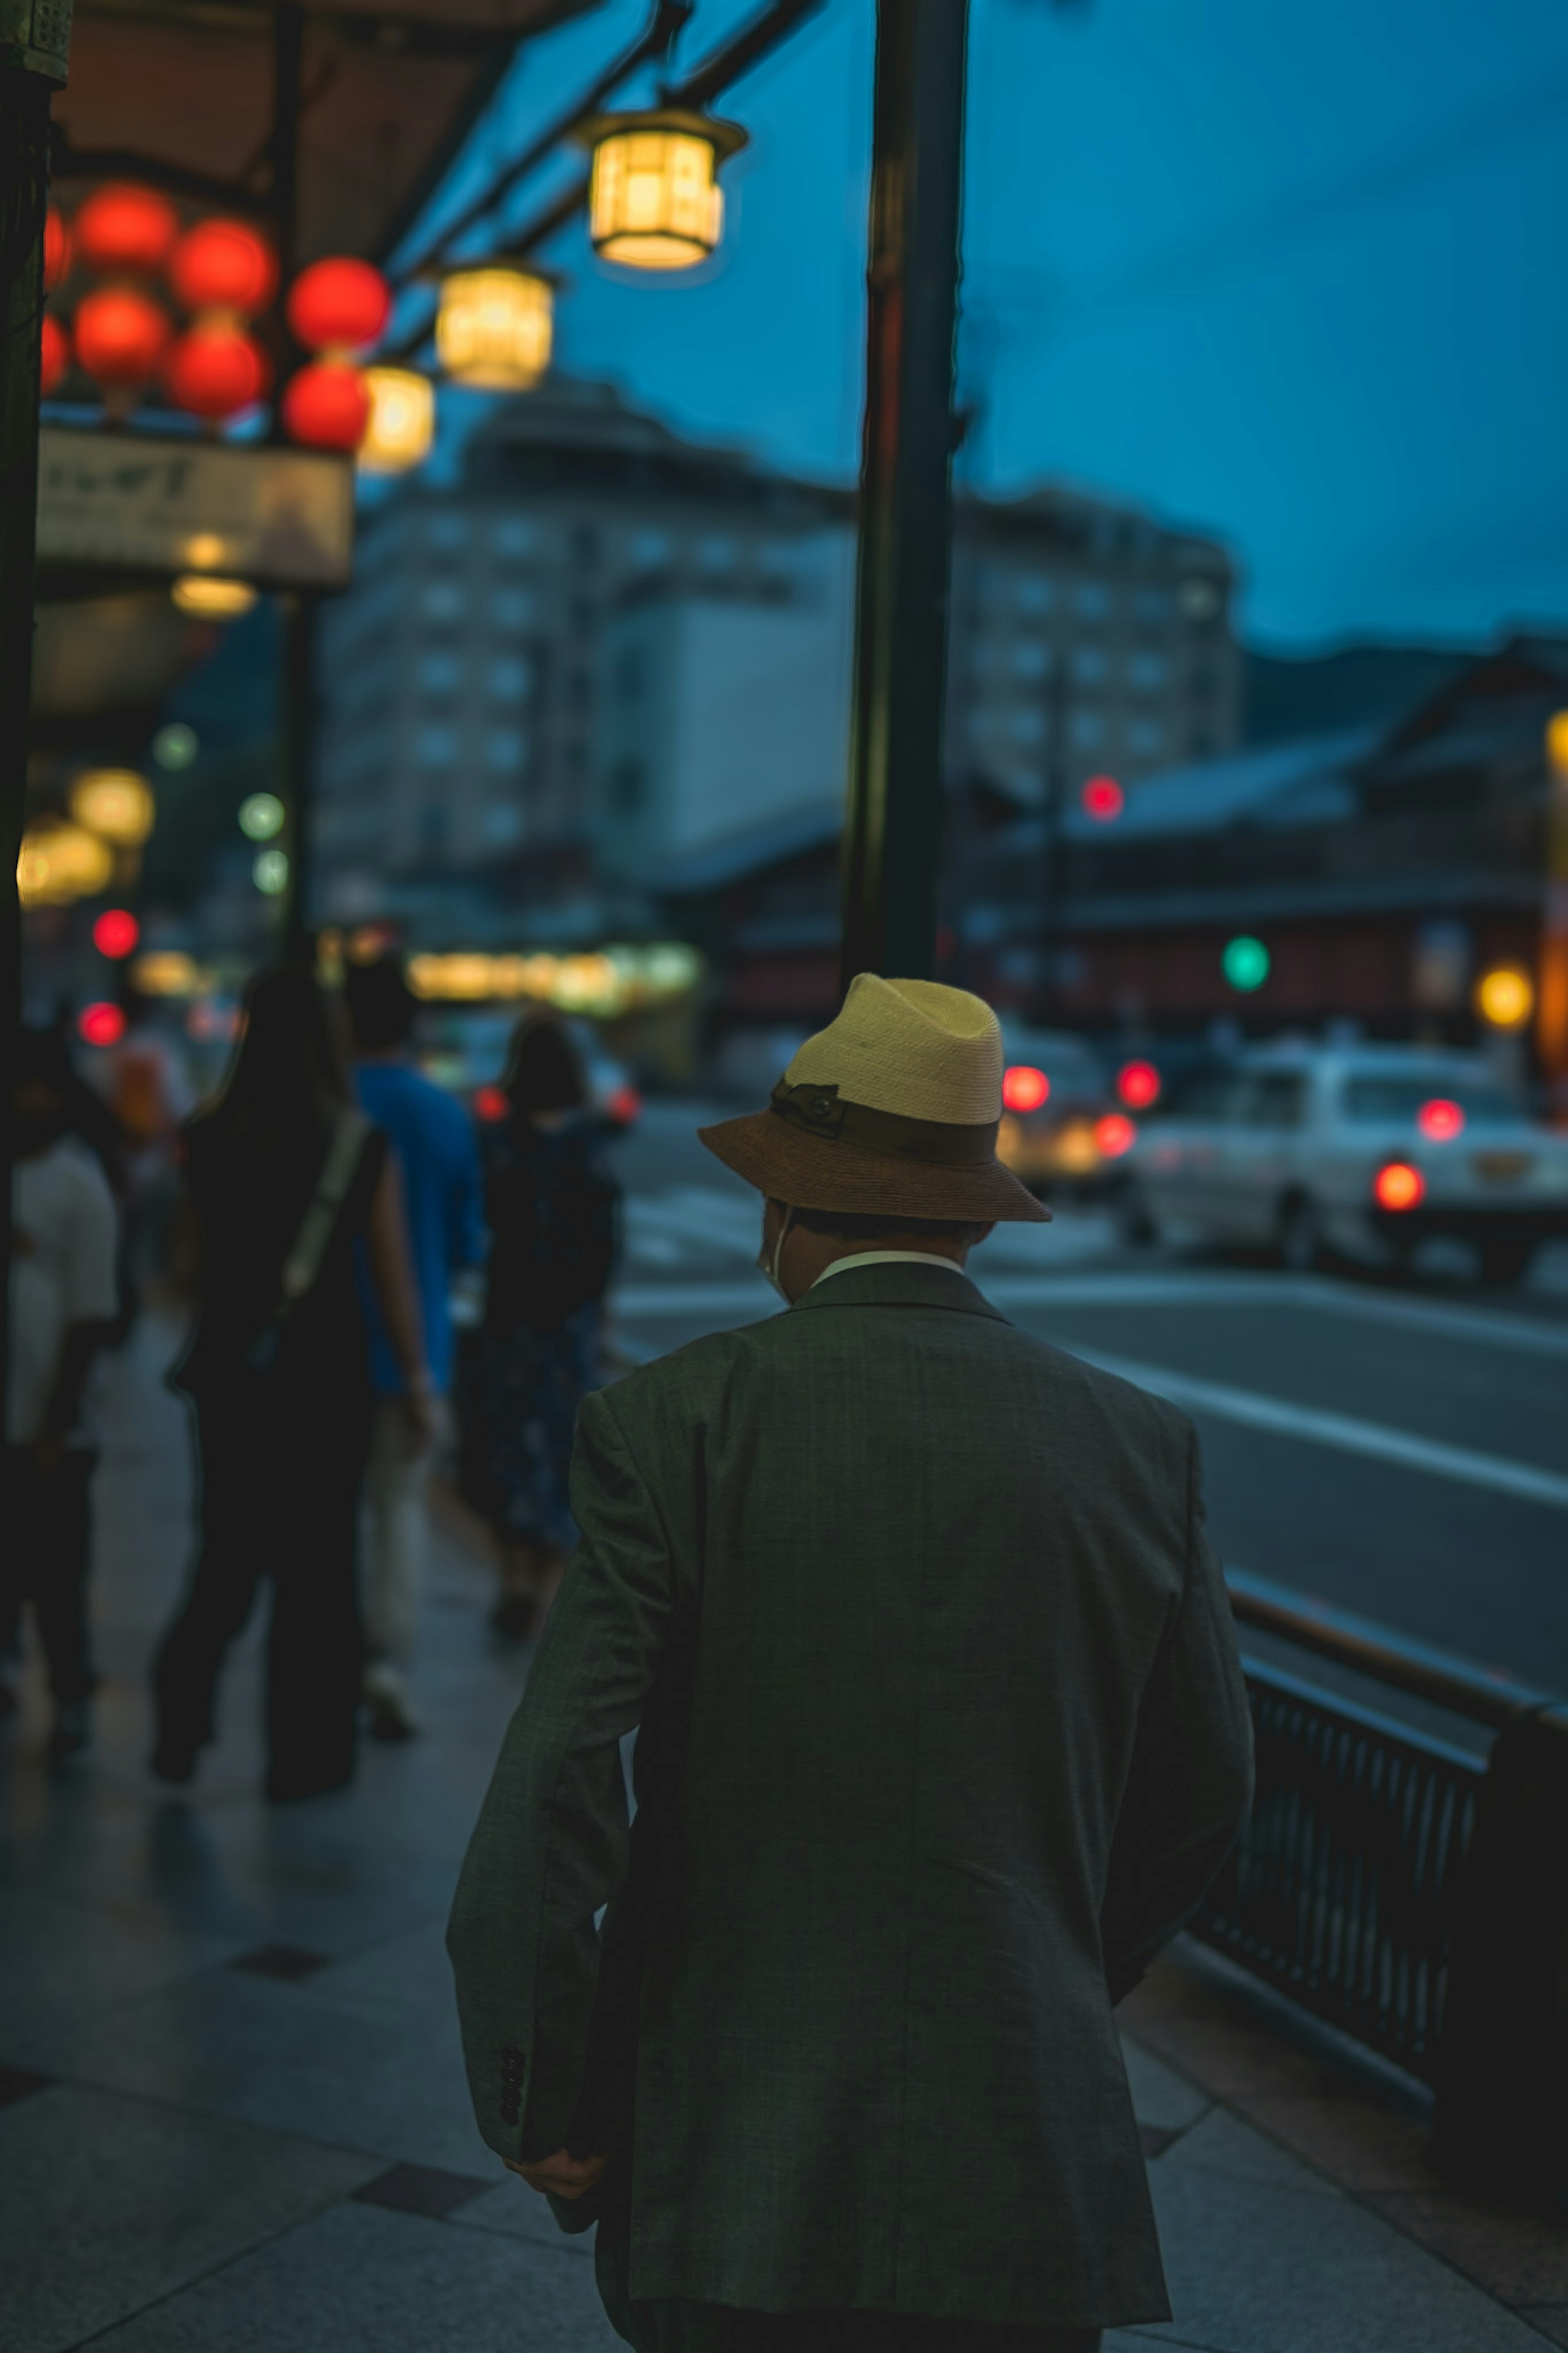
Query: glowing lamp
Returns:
{"type": "Point", "coordinates": [102, 1025]}
{"type": "Point", "coordinates": [260, 817]}
{"type": "Point", "coordinates": [58, 863]}
{"type": "Point", "coordinates": [121, 335]}
{"type": "Point", "coordinates": [1138, 1085]}
{"type": "Point", "coordinates": [116, 932]}
{"type": "Point", "coordinates": [1245, 964]}
{"type": "Point", "coordinates": [125, 231]}
{"type": "Point", "coordinates": [494, 328]}
{"type": "Point", "coordinates": [401, 420]}
{"type": "Point", "coordinates": [1114, 1135]}
{"type": "Point", "coordinates": [205, 599]}
{"type": "Point", "coordinates": [1440, 1121]}
{"type": "Point", "coordinates": [1505, 997]}
{"type": "Point", "coordinates": [270, 872]}
{"type": "Point", "coordinates": [216, 370]}
{"type": "Point", "coordinates": [491, 1105]}
{"type": "Point", "coordinates": [223, 265]}
{"type": "Point", "coordinates": [1024, 1087]}
{"type": "Point", "coordinates": [1557, 740]}
{"type": "Point", "coordinates": [1102, 799]}
{"type": "Point", "coordinates": [340, 305]}
{"type": "Point", "coordinates": [654, 201]}
{"type": "Point", "coordinates": [115, 804]}
{"type": "Point", "coordinates": [56, 249]}
{"type": "Point", "coordinates": [326, 407]}
{"type": "Point", "coordinates": [55, 353]}
{"type": "Point", "coordinates": [1398, 1185]}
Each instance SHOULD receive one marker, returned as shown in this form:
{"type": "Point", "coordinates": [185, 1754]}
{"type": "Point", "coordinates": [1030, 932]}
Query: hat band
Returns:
{"type": "Point", "coordinates": [820, 1111]}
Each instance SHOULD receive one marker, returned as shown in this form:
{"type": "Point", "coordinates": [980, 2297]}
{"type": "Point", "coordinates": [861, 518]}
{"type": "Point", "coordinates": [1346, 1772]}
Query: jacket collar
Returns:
{"type": "Point", "coordinates": [898, 1285]}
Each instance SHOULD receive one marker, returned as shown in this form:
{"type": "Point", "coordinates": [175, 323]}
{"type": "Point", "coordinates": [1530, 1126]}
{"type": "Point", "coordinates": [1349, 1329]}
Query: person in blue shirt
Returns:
{"type": "Point", "coordinates": [434, 1142]}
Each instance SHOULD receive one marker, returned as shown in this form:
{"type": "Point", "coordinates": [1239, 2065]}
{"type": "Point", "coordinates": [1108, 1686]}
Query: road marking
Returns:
{"type": "Point", "coordinates": [1372, 1438]}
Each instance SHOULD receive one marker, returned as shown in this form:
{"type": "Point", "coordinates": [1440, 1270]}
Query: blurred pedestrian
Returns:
{"type": "Point", "coordinates": [942, 1734]}
{"type": "Point", "coordinates": [284, 1173]}
{"type": "Point", "coordinates": [63, 1301]}
{"type": "Point", "coordinates": [439, 1164]}
{"type": "Point", "coordinates": [552, 1207]}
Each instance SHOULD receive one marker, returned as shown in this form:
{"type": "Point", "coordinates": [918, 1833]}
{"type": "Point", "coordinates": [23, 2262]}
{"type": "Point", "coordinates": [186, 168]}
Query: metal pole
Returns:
{"type": "Point", "coordinates": [26, 75]}
{"type": "Point", "coordinates": [299, 682]}
{"type": "Point", "coordinates": [893, 829]}
{"type": "Point", "coordinates": [298, 762]}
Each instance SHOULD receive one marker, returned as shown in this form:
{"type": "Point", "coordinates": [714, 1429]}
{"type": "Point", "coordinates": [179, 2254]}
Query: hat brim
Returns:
{"type": "Point", "coordinates": [813, 1173]}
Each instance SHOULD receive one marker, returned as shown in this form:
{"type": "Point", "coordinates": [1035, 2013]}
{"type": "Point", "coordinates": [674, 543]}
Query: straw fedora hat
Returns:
{"type": "Point", "coordinates": [891, 1110]}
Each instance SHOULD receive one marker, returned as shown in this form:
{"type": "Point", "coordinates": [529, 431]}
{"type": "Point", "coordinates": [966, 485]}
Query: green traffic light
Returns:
{"type": "Point", "coordinates": [1245, 963]}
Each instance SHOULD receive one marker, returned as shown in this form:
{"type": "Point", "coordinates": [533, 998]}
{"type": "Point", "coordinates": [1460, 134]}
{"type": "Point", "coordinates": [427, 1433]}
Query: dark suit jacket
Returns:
{"type": "Point", "coordinates": [944, 1734]}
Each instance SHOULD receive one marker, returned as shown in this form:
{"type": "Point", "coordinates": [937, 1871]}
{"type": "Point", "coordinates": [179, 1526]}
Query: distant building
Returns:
{"type": "Point", "coordinates": [608, 651]}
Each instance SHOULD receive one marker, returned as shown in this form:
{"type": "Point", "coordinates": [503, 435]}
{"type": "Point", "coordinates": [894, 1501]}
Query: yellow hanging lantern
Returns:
{"type": "Point", "coordinates": [495, 326]}
{"type": "Point", "coordinates": [401, 420]}
{"type": "Point", "coordinates": [654, 200]}
{"type": "Point", "coordinates": [115, 804]}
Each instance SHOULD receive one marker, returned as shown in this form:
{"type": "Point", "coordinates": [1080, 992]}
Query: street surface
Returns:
{"type": "Point", "coordinates": [1400, 1450]}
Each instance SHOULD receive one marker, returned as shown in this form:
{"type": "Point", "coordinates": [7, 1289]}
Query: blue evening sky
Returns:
{"type": "Point", "coordinates": [1293, 273]}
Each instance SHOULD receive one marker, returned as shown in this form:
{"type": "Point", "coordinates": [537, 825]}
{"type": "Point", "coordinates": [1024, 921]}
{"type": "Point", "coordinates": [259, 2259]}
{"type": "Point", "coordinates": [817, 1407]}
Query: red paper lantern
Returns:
{"type": "Point", "coordinates": [121, 335]}
{"type": "Point", "coordinates": [338, 305]}
{"type": "Point", "coordinates": [216, 370]}
{"type": "Point", "coordinates": [56, 248]}
{"type": "Point", "coordinates": [126, 228]}
{"type": "Point", "coordinates": [326, 407]}
{"type": "Point", "coordinates": [55, 357]}
{"type": "Point", "coordinates": [223, 265]}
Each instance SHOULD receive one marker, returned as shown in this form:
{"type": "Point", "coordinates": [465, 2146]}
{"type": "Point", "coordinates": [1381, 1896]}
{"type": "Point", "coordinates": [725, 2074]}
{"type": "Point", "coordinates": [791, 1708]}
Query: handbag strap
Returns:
{"type": "Point", "coordinates": [309, 1248]}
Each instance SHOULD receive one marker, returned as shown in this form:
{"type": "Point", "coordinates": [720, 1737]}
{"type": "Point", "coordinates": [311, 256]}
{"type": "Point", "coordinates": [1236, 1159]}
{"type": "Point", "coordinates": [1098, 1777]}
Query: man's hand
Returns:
{"type": "Point", "coordinates": [562, 2176]}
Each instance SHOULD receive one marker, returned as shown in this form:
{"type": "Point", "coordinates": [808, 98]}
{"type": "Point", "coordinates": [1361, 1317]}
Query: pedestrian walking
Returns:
{"type": "Point", "coordinates": [942, 1733]}
{"type": "Point", "coordinates": [63, 1301]}
{"type": "Point", "coordinates": [283, 1174]}
{"type": "Point", "coordinates": [552, 1205]}
{"type": "Point", "coordinates": [439, 1165]}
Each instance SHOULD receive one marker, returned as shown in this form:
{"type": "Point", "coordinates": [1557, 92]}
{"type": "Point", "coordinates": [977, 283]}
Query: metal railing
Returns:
{"type": "Point", "coordinates": [1410, 1893]}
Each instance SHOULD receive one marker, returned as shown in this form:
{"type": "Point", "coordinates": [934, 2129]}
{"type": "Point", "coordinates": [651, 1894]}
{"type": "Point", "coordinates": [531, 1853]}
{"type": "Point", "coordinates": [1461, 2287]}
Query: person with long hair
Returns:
{"type": "Point", "coordinates": [552, 1206]}
{"type": "Point", "coordinates": [283, 1173]}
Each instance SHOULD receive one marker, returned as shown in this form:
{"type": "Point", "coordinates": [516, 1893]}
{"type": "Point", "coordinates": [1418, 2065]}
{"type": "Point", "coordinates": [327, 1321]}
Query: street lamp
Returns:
{"type": "Point", "coordinates": [654, 201]}
{"type": "Point", "coordinates": [495, 327]}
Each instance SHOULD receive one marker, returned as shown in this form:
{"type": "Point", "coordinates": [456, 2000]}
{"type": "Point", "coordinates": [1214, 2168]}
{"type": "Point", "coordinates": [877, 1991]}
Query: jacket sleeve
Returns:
{"type": "Point", "coordinates": [550, 1845]}
{"type": "Point", "coordinates": [1191, 1781]}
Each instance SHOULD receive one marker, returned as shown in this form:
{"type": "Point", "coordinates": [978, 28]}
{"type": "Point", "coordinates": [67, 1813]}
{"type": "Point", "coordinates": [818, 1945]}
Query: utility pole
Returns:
{"type": "Point", "coordinates": [35, 44]}
{"type": "Point", "coordinates": [893, 829]}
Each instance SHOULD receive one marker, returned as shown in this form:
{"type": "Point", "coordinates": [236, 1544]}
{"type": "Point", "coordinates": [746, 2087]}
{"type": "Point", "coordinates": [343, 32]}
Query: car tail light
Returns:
{"type": "Point", "coordinates": [1024, 1087]}
{"type": "Point", "coordinates": [1114, 1135]}
{"type": "Point", "coordinates": [490, 1105]}
{"type": "Point", "coordinates": [1399, 1187]}
{"type": "Point", "coordinates": [1138, 1085]}
{"type": "Point", "coordinates": [1440, 1121]}
{"type": "Point", "coordinates": [625, 1106]}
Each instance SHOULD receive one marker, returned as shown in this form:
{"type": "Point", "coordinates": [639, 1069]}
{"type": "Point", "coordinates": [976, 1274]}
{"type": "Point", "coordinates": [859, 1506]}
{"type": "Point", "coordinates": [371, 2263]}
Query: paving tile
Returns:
{"type": "Point", "coordinates": [1225, 2144]}
{"type": "Point", "coordinates": [1363, 2146]}
{"type": "Point", "coordinates": [62, 1963]}
{"type": "Point", "coordinates": [280, 2055]}
{"type": "Point", "coordinates": [1262, 2269]}
{"type": "Point", "coordinates": [360, 2280]}
{"type": "Point", "coordinates": [1520, 2258]}
{"type": "Point", "coordinates": [423, 2190]}
{"type": "Point", "coordinates": [1161, 2098]}
{"type": "Point", "coordinates": [111, 2203]}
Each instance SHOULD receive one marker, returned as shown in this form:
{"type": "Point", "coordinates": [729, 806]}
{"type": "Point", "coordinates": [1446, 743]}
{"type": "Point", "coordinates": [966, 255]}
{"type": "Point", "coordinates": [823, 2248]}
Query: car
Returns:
{"type": "Point", "coordinates": [1062, 1129]}
{"type": "Point", "coordinates": [1359, 1153]}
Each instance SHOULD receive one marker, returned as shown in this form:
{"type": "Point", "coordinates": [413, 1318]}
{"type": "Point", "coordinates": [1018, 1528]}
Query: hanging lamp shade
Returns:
{"type": "Point", "coordinates": [327, 406]}
{"type": "Point", "coordinates": [55, 354]}
{"type": "Point", "coordinates": [121, 335]}
{"type": "Point", "coordinates": [223, 265]}
{"type": "Point", "coordinates": [58, 244]}
{"type": "Point", "coordinates": [401, 420]}
{"type": "Point", "coordinates": [216, 370]}
{"type": "Point", "coordinates": [123, 231]}
{"type": "Point", "coordinates": [495, 327]}
{"type": "Point", "coordinates": [654, 199]}
{"type": "Point", "coordinates": [338, 305]}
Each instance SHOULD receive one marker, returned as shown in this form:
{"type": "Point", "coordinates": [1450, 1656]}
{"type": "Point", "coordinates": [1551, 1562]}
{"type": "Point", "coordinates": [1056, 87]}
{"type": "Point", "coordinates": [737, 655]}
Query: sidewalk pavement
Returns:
{"type": "Point", "coordinates": [232, 2110]}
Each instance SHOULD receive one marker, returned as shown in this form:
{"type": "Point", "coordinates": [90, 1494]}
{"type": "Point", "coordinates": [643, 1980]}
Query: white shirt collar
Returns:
{"type": "Point", "coordinates": [885, 1258]}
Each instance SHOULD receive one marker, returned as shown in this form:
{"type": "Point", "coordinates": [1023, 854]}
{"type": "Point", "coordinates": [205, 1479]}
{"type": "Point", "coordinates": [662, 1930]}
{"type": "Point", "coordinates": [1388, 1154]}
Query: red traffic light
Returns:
{"type": "Point", "coordinates": [1024, 1087]}
{"type": "Point", "coordinates": [116, 932]}
{"type": "Point", "coordinates": [1138, 1085]}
